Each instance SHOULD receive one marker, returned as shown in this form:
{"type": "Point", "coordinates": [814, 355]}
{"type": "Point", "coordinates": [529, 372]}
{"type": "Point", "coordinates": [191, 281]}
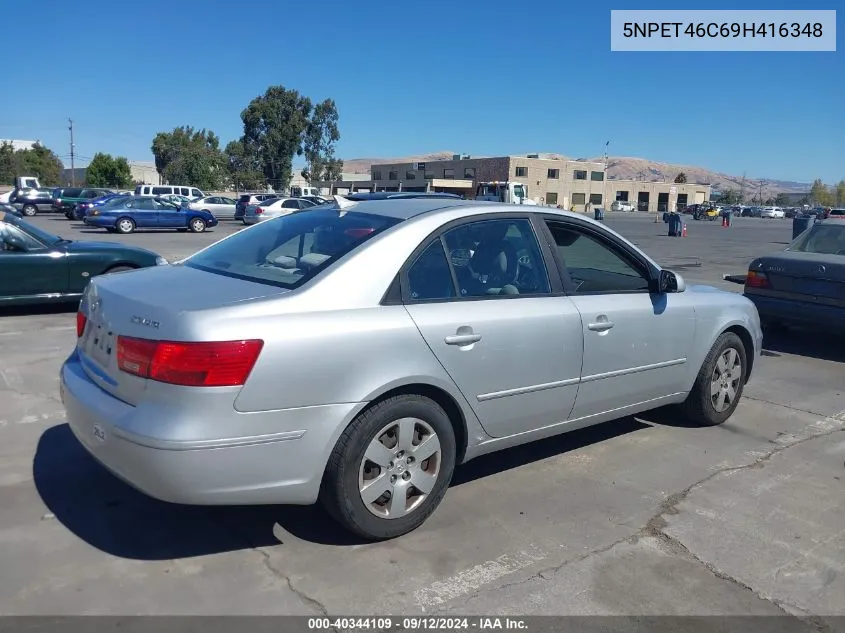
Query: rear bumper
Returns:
{"type": "Point", "coordinates": [283, 466]}
{"type": "Point", "coordinates": [797, 312]}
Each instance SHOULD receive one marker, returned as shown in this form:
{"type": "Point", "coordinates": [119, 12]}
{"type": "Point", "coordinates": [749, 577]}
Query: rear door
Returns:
{"type": "Point", "coordinates": [483, 299]}
{"type": "Point", "coordinates": [145, 213]}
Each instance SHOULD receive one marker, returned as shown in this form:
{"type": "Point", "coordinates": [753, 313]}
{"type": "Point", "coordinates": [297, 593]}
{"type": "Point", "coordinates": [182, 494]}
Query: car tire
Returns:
{"type": "Point", "coordinates": [724, 370]}
{"type": "Point", "coordinates": [124, 225]}
{"type": "Point", "coordinates": [197, 225]}
{"type": "Point", "coordinates": [29, 210]}
{"type": "Point", "coordinates": [343, 492]}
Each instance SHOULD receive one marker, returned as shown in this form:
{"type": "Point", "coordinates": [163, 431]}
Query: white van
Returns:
{"type": "Point", "coordinates": [166, 190]}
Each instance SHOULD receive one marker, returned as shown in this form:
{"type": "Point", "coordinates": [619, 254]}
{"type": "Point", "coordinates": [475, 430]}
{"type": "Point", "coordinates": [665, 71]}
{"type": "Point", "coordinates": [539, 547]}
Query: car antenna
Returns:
{"type": "Point", "coordinates": [343, 205]}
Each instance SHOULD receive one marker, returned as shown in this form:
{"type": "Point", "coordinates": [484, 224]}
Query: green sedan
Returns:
{"type": "Point", "coordinates": [38, 267]}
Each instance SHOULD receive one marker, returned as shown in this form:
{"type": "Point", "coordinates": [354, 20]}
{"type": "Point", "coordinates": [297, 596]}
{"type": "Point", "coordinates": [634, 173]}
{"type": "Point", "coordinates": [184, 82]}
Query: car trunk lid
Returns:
{"type": "Point", "coordinates": [151, 303]}
{"type": "Point", "coordinates": [804, 276]}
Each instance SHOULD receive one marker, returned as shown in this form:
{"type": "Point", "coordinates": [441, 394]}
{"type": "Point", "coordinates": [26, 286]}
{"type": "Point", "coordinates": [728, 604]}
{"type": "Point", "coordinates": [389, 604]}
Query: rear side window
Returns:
{"type": "Point", "coordinates": [162, 191]}
{"type": "Point", "coordinates": [290, 250]}
{"type": "Point", "coordinates": [72, 193]}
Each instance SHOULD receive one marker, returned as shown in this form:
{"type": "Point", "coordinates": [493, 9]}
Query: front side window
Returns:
{"type": "Point", "coordinates": [14, 240]}
{"type": "Point", "coordinates": [290, 250]}
{"type": "Point", "coordinates": [497, 257]}
{"type": "Point", "coordinates": [594, 266]}
{"type": "Point", "coordinates": [161, 191]}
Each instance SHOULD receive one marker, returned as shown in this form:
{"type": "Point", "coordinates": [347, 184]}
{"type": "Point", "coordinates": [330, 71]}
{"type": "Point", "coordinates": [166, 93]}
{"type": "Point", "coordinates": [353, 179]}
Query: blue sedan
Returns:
{"type": "Point", "coordinates": [147, 212]}
{"type": "Point", "coordinates": [80, 210]}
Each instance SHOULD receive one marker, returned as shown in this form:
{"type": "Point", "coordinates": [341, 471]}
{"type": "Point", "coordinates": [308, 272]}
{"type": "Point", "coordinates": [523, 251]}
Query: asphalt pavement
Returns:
{"type": "Point", "coordinates": [640, 516]}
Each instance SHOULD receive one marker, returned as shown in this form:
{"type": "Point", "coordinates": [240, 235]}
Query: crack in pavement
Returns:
{"type": "Point", "coordinates": [268, 564]}
{"type": "Point", "coordinates": [655, 525]}
{"type": "Point", "coordinates": [783, 406]}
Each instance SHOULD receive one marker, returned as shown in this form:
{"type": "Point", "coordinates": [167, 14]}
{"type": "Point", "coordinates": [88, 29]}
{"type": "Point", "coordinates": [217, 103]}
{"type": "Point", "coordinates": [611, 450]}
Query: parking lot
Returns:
{"type": "Point", "coordinates": [638, 516]}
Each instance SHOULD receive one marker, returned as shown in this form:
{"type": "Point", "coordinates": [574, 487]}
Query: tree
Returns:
{"type": "Point", "coordinates": [106, 171]}
{"type": "Point", "coordinates": [274, 126]}
{"type": "Point", "coordinates": [189, 157]}
{"type": "Point", "coordinates": [781, 199]}
{"type": "Point", "coordinates": [318, 143]}
{"type": "Point", "coordinates": [840, 193]}
{"type": "Point", "coordinates": [37, 161]}
{"type": "Point", "coordinates": [244, 170]}
{"type": "Point", "coordinates": [681, 178]}
{"type": "Point", "coordinates": [820, 193]}
{"type": "Point", "coordinates": [729, 196]}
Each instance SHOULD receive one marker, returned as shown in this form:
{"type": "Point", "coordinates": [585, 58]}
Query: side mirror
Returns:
{"type": "Point", "coordinates": [671, 282]}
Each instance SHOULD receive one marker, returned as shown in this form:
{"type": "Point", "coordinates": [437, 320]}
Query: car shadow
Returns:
{"type": "Point", "coordinates": [64, 307]}
{"type": "Point", "coordinates": [797, 341]}
{"type": "Point", "coordinates": [113, 517]}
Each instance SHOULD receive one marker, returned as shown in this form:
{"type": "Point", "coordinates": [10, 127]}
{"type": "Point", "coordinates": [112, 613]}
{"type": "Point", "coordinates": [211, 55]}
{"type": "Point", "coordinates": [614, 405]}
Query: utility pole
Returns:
{"type": "Point", "coordinates": [72, 155]}
{"type": "Point", "coordinates": [742, 189]}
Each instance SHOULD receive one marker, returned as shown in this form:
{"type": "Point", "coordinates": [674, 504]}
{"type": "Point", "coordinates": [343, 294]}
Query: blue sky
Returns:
{"type": "Point", "coordinates": [420, 77]}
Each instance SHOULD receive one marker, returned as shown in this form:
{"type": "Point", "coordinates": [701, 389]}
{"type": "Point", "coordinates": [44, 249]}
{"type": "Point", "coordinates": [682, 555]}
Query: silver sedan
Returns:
{"type": "Point", "coordinates": [389, 341]}
{"type": "Point", "coordinates": [273, 208]}
{"type": "Point", "coordinates": [220, 207]}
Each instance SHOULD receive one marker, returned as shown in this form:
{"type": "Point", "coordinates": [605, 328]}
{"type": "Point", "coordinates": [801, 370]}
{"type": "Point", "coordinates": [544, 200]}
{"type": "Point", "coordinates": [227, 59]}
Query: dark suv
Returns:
{"type": "Point", "coordinates": [31, 201]}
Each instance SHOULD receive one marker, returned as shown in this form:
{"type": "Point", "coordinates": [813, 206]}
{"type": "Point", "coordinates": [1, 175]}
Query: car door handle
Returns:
{"type": "Point", "coordinates": [600, 326]}
{"type": "Point", "coordinates": [462, 339]}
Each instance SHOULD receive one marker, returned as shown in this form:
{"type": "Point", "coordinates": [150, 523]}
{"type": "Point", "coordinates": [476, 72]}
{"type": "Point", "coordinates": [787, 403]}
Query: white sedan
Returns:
{"type": "Point", "coordinates": [773, 212]}
{"type": "Point", "coordinates": [274, 208]}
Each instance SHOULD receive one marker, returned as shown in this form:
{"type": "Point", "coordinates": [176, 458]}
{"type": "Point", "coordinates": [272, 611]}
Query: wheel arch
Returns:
{"type": "Point", "coordinates": [747, 342]}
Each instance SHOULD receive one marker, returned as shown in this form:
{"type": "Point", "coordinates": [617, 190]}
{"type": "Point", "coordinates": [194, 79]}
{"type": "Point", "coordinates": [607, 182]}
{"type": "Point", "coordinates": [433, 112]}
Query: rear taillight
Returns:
{"type": "Point", "coordinates": [259, 211]}
{"type": "Point", "coordinates": [81, 320]}
{"type": "Point", "coordinates": [203, 364]}
{"type": "Point", "coordinates": [756, 279]}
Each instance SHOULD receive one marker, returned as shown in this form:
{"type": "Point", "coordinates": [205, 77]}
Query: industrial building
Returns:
{"type": "Point", "coordinates": [569, 184]}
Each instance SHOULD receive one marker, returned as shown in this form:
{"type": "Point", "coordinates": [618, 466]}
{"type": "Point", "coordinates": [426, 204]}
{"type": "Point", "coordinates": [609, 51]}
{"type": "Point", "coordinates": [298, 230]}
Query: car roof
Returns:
{"type": "Point", "coordinates": [382, 195]}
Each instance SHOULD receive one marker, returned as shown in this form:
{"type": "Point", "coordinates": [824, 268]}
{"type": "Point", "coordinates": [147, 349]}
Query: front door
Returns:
{"type": "Point", "coordinates": [29, 268]}
{"type": "Point", "coordinates": [169, 216]}
{"type": "Point", "coordinates": [636, 343]}
{"type": "Point", "coordinates": [511, 345]}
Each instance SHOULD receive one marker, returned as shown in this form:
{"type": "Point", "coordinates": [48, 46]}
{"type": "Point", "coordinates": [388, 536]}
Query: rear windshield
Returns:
{"type": "Point", "coordinates": [825, 239]}
{"type": "Point", "coordinates": [290, 250]}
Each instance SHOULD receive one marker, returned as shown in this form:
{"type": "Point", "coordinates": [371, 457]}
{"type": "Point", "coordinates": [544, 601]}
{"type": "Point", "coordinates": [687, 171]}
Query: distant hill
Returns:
{"type": "Point", "coordinates": [623, 168]}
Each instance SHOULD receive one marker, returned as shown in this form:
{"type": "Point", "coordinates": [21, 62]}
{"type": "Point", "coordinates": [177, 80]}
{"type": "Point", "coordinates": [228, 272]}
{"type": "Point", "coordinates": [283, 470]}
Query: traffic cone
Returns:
{"type": "Point", "coordinates": [724, 221]}
{"type": "Point", "coordinates": [684, 231]}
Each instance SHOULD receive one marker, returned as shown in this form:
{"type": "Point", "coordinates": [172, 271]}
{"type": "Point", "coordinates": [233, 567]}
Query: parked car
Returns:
{"type": "Point", "coordinates": [220, 207]}
{"type": "Point", "coordinates": [804, 284]}
{"type": "Point", "coordinates": [772, 213]}
{"type": "Point", "coordinates": [179, 201]}
{"type": "Point", "coordinates": [317, 200]}
{"type": "Point", "coordinates": [836, 214]}
{"type": "Point", "coordinates": [72, 196]}
{"type": "Point", "coordinates": [356, 352]}
{"type": "Point", "coordinates": [273, 208]}
{"type": "Point", "coordinates": [752, 212]}
{"type": "Point", "coordinates": [39, 267]}
{"type": "Point", "coordinates": [80, 210]}
{"type": "Point", "coordinates": [31, 201]}
{"type": "Point", "coordinates": [622, 205]}
{"type": "Point", "coordinates": [251, 198]}
{"type": "Point", "coordinates": [147, 212]}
